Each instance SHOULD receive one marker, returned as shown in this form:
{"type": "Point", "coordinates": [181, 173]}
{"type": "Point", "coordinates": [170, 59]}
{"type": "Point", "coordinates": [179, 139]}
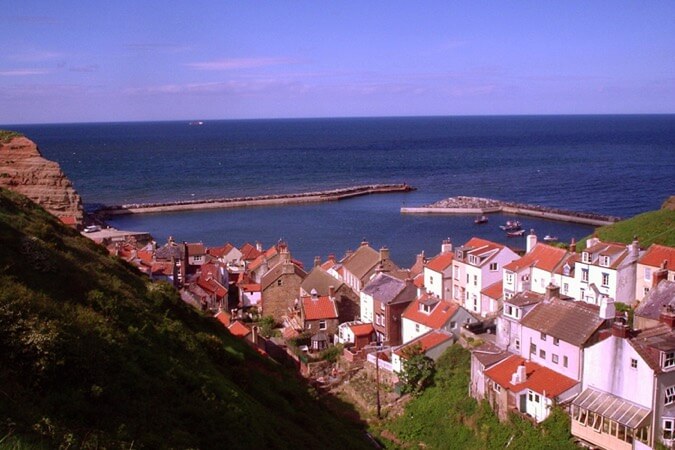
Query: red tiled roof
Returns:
{"type": "Point", "coordinates": [440, 262]}
{"type": "Point", "coordinates": [145, 256]}
{"type": "Point", "coordinates": [495, 290]}
{"type": "Point", "coordinates": [239, 329]}
{"type": "Point", "coordinates": [249, 252]}
{"type": "Point", "coordinates": [362, 329]}
{"type": "Point", "coordinates": [478, 242]}
{"type": "Point", "coordinates": [250, 287]}
{"type": "Point", "coordinates": [419, 281]}
{"type": "Point", "coordinates": [439, 315]}
{"type": "Point", "coordinates": [212, 286]}
{"type": "Point", "coordinates": [223, 318]}
{"type": "Point", "coordinates": [428, 341]}
{"type": "Point", "coordinates": [656, 254]}
{"type": "Point", "coordinates": [317, 308]}
{"type": "Point", "coordinates": [162, 268]}
{"type": "Point", "coordinates": [542, 256]}
{"type": "Point", "coordinates": [68, 220]}
{"type": "Point", "coordinates": [539, 379]}
{"type": "Point", "coordinates": [196, 249]}
{"type": "Point", "coordinates": [219, 252]}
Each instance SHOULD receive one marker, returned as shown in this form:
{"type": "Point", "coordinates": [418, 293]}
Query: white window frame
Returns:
{"type": "Point", "coordinates": [322, 325]}
{"type": "Point", "coordinates": [668, 360]}
{"type": "Point", "coordinates": [494, 267]}
{"type": "Point", "coordinates": [585, 257]}
{"type": "Point", "coordinates": [669, 396]}
{"type": "Point", "coordinates": [668, 426]}
{"type": "Point", "coordinates": [605, 279]}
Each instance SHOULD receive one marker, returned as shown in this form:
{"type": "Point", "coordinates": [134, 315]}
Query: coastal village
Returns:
{"type": "Point", "coordinates": [588, 328]}
{"type": "Point", "coordinates": [546, 328]}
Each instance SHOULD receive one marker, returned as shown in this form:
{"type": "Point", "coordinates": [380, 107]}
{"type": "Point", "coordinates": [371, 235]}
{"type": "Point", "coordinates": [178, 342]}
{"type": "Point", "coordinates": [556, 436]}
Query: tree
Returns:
{"type": "Point", "coordinates": [418, 370]}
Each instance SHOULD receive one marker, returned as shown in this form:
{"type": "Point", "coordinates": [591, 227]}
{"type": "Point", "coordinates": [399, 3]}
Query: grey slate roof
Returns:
{"type": "Point", "coordinates": [489, 354]}
{"type": "Point", "coordinates": [384, 287]}
{"type": "Point", "coordinates": [569, 321]}
{"type": "Point", "coordinates": [525, 298]}
{"type": "Point", "coordinates": [661, 295]}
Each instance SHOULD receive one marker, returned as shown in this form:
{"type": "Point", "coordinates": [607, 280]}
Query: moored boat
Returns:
{"type": "Point", "coordinates": [515, 233]}
{"type": "Point", "coordinates": [480, 220]}
{"type": "Point", "coordinates": [550, 238]}
{"type": "Point", "coordinates": [511, 225]}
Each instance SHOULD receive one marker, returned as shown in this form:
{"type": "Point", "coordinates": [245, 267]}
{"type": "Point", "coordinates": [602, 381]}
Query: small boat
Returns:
{"type": "Point", "coordinates": [480, 220]}
{"type": "Point", "coordinates": [550, 238]}
{"type": "Point", "coordinates": [511, 225]}
{"type": "Point", "coordinates": [197, 122]}
{"type": "Point", "coordinates": [515, 233]}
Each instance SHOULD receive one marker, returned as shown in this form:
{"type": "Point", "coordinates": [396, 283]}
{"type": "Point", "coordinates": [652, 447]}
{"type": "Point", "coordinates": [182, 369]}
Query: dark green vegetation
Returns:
{"type": "Point", "coordinates": [94, 356]}
{"type": "Point", "coordinates": [418, 370]}
{"type": "Point", "coordinates": [654, 227]}
{"type": "Point", "coordinates": [445, 416]}
{"type": "Point", "coordinates": [6, 135]}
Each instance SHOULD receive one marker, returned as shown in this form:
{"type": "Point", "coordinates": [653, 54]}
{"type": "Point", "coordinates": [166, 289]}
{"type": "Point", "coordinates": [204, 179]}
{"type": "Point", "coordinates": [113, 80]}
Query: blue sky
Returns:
{"type": "Point", "coordinates": [75, 61]}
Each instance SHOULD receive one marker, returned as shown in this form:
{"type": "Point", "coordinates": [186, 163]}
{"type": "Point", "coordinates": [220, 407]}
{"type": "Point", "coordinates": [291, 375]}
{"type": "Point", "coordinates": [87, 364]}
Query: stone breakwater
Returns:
{"type": "Point", "coordinates": [263, 200]}
{"type": "Point", "coordinates": [478, 205]}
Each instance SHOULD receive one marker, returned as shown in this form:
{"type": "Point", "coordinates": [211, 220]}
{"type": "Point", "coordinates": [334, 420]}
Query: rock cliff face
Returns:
{"type": "Point", "coordinates": [24, 170]}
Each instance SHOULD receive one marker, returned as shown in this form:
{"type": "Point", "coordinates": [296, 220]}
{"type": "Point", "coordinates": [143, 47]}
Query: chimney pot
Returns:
{"type": "Point", "coordinates": [552, 291]}
{"type": "Point", "coordinates": [317, 261]}
{"type": "Point", "coordinates": [331, 291]}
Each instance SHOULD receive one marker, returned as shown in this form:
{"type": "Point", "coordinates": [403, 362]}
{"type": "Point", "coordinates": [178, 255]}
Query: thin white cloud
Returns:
{"type": "Point", "coordinates": [23, 72]}
{"type": "Point", "coordinates": [240, 63]}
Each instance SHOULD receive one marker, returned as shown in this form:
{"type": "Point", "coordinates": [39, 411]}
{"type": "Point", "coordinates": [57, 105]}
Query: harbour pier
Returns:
{"type": "Point", "coordinates": [263, 200]}
{"type": "Point", "coordinates": [476, 205]}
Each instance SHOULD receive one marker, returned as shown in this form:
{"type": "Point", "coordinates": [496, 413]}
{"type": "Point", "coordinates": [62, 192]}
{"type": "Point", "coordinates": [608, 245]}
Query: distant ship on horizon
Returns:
{"type": "Point", "coordinates": [197, 122]}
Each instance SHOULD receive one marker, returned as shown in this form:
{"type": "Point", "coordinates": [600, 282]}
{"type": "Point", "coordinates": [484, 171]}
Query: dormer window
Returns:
{"type": "Point", "coordinates": [586, 257]}
{"type": "Point", "coordinates": [566, 270]}
{"type": "Point", "coordinates": [669, 360]}
{"type": "Point", "coordinates": [473, 259]}
{"type": "Point", "coordinates": [604, 261]}
{"type": "Point", "coordinates": [459, 254]}
{"type": "Point", "coordinates": [425, 308]}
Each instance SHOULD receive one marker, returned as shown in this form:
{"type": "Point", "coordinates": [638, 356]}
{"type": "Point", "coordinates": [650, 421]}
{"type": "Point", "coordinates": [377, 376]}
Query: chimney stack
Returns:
{"type": "Point", "coordinates": [384, 254]}
{"type": "Point", "coordinates": [607, 308]}
{"type": "Point", "coordinates": [661, 274]}
{"type": "Point", "coordinates": [573, 246]}
{"type": "Point", "coordinates": [258, 246]}
{"type": "Point", "coordinates": [331, 291]}
{"type": "Point", "coordinates": [531, 241]}
{"type": "Point", "coordinates": [552, 291]}
{"type": "Point", "coordinates": [317, 261]}
{"type": "Point", "coordinates": [364, 243]}
{"type": "Point", "coordinates": [520, 375]}
{"type": "Point", "coordinates": [620, 329]}
{"type": "Point", "coordinates": [667, 316]}
{"type": "Point", "coordinates": [446, 246]}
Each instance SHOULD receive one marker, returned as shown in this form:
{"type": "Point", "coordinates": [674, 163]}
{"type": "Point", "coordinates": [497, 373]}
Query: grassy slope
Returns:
{"type": "Point", "coordinates": [92, 355]}
{"type": "Point", "coordinates": [654, 227]}
{"type": "Point", "coordinates": [445, 416]}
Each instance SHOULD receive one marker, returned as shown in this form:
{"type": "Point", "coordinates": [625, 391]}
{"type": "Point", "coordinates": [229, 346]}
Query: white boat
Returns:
{"type": "Point", "coordinates": [511, 225]}
{"type": "Point", "coordinates": [550, 238]}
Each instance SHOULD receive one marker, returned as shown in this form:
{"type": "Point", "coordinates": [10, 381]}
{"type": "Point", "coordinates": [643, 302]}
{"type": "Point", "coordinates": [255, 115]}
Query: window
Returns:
{"type": "Point", "coordinates": [516, 344]}
{"type": "Point", "coordinates": [554, 358]}
{"type": "Point", "coordinates": [564, 361]}
{"type": "Point", "coordinates": [494, 267]}
{"type": "Point", "coordinates": [533, 348]}
{"type": "Point", "coordinates": [605, 279]}
{"type": "Point", "coordinates": [417, 328]}
{"type": "Point", "coordinates": [604, 261]}
{"type": "Point", "coordinates": [556, 341]}
{"type": "Point", "coordinates": [467, 278]}
{"type": "Point", "coordinates": [566, 288]}
{"type": "Point", "coordinates": [475, 280]}
{"type": "Point", "coordinates": [456, 271]}
{"type": "Point", "coordinates": [278, 282]}
{"type": "Point", "coordinates": [431, 280]}
{"type": "Point", "coordinates": [669, 360]}
{"type": "Point", "coordinates": [648, 273]}
{"type": "Point", "coordinates": [322, 324]}
{"type": "Point", "coordinates": [453, 324]}
{"type": "Point", "coordinates": [586, 257]}
{"type": "Point", "coordinates": [633, 363]}
{"type": "Point", "coordinates": [509, 277]}
{"type": "Point", "coordinates": [426, 308]}
{"type": "Point", "coordinates": [497, 388]}
{"type": "Point", "coordinates": [668, 429]}
{"type": "Point", "coordinates": [584, 275]}
{"type": "Point", "coordinates": [542, 354]}
{"type": "Point", "coordinates": [670, 395]}
{"type": "Point", "coordinates": [382, 306]}
{"type": "Point", "coordinates": [542, 336]}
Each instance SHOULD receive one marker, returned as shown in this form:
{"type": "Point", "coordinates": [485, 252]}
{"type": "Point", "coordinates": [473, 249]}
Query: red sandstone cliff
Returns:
{"type": "Point", "coordinates": [24, 170]}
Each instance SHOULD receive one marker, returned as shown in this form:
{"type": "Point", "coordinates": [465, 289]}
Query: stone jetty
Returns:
{"type": "Point", "coordinates": [264, 200]}
{"type": "Point", "coordinates": [478, 205]}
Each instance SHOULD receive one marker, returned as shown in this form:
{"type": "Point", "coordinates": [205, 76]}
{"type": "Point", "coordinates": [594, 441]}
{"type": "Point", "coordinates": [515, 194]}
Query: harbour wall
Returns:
{"type": "Point", "coordinates": [264, 200]}
{"type": "Point", "coordinates": [476, 205]}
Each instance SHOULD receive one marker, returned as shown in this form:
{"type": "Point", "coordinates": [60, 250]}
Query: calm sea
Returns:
{"type": "Point", "coordinates": [618, 165]}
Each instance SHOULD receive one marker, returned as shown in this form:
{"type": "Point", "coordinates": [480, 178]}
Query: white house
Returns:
{"type": "Point", "coordinates": [535, 270]}
{"type": "Point", "coordinates": [428, 312]}
{"type": "Point", "coordinates": [657, 263]}
{"type": "Point", "coordinates": [438, 273]}
{"type": "Point", "coordinates": [477, 265]}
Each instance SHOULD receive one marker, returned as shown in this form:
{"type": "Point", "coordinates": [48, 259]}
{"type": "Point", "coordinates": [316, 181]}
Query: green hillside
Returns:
{"type": "Point", "coordinates": [654, 227]}
{"type": "Point", "coordinates": [94, 356]}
